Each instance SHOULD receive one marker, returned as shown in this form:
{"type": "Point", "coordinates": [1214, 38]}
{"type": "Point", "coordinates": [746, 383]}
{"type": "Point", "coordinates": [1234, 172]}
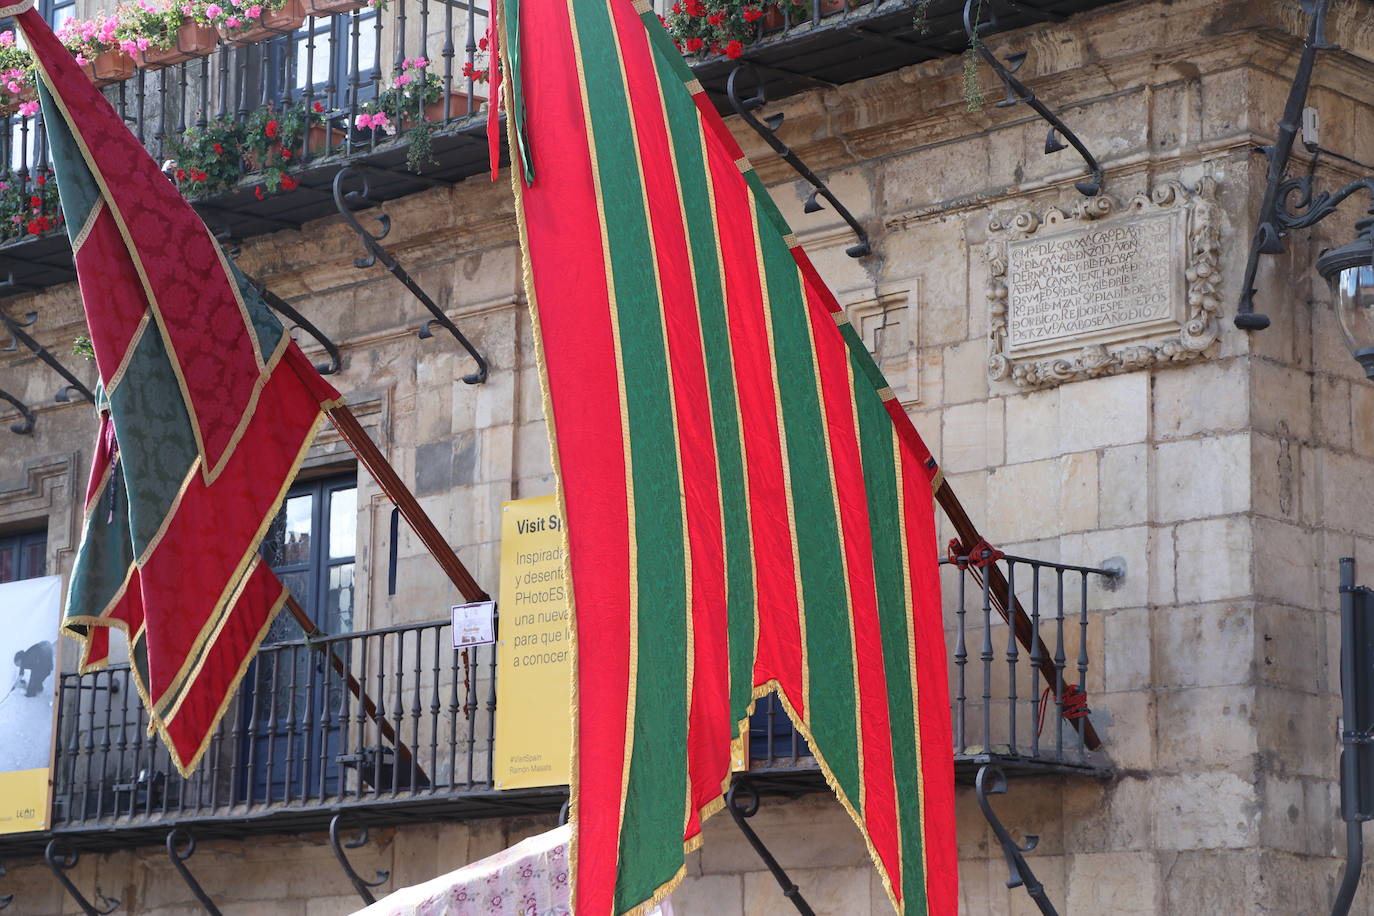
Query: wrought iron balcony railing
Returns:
{"type": "Point", "coordinates": [342, 62]}
{"type": "Point", "coordinates": [396, 723]}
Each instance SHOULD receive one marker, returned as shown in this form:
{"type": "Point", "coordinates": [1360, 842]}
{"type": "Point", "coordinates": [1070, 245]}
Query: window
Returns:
{"type": "Point", "coordinates": [23, 556]}
{"type": "Point", "coordinates": [310, 546]}
{"type": "Point", "coordinates": [318, 57]}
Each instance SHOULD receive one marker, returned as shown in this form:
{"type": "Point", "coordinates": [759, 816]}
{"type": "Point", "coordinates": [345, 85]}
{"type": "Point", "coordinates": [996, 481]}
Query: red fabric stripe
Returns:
{"type": "Point", "coordinates": [709, 728]}
{"type": "Point", "coordinates": [222, 663]}
{"type": "Point", "coordinates": [922, 463]}
{"type": "Point", "coordinates": [213, 528]}
{"type": "Point", "coordinates": [181, 261]}
{"type": "Point", "coordinates": [779, 627]}
{"type": "Point", "coordinates": [875, 733]}
{"type": "Point", "coordinates": [107, 276]}
{"type": "Point", "coordinates": [560, 214]}
{"type": "Point", "coordinates": [933, 722]}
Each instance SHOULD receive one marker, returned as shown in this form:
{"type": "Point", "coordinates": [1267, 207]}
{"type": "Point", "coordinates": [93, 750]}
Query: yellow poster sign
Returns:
{"type": "Point", "coordinates": [534, 652]}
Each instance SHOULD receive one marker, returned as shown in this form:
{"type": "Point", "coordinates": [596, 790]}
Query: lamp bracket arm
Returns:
{"type": "Point", "coordinates": [745, 108]}
{"type": "Point", "coordinates": [362, 886]}
{"type": "Point", "coordinates": [348, 204]}
{"type": "Point", "coordinates": [992, 781]}
{"type": "Point", "coordinates": [24, 426]}
{"type": "Point", "coordinates": [975, 27]}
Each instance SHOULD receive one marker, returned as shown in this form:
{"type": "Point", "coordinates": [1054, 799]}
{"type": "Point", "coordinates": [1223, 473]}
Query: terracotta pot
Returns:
{"type": "Point", "coordinates": [332, 7]}
{"type": "Point", "coordinates": [273, 22]}
{"type": "Point", "coordinates": [12, 106]}
{"type": "Point", "coordinates": [772, 17]}
{"type": "Point", "coordinates": [324, 138]}
{"type": "Point", "coordinates": [110, 67]}
{"type": "Point", "coordinates": [457, 107]}
{"type": "Point", "coordinates": [192, 40]}
{"type": "Point", "coordinates": [832, 6]}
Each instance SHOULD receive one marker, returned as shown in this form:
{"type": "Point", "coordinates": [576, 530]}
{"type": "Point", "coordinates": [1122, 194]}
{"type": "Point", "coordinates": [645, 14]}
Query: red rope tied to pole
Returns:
{"type": "Point", "coordinates": [1075, 705]}
{"type": "Point", "coordinates": [980, 555]}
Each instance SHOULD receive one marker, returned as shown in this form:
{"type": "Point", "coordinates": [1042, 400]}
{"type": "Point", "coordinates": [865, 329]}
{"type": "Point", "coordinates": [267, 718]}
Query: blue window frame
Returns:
{"type": "Point", "coordinates": [23, 556]}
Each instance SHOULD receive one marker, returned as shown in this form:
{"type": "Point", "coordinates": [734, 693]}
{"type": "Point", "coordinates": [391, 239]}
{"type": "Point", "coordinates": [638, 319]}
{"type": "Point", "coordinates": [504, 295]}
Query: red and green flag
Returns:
{"type": "Point", "coordinates": [206, 410]}
{"type": "Point", "coordinates": [748, 507]}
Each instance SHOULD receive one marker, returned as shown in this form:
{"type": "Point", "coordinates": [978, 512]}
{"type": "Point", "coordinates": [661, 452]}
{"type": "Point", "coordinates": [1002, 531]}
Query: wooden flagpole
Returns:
{"type": "Point", "coordinates": [1008, 605]}
{"type": "Point", "coordinates": [372, 458]}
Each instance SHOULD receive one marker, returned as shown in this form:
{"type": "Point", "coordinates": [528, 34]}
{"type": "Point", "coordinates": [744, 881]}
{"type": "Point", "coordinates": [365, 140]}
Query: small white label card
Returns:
{"type": "Point", "coordinates": [473, 624]}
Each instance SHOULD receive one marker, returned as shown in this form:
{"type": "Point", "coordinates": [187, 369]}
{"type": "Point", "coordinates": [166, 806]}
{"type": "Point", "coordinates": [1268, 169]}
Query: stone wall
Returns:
{"type": "Point", "coordinates": [1228, 483]}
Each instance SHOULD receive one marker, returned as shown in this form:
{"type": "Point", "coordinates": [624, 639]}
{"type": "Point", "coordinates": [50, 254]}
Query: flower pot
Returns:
{"type": "Point", "coordinates": [191, 40]}
{"type": "Point", "coordinates": [772, 17]}
{"type": "Point", "coordinates": [110, 67]}
{"type": "Point", "coordinates": [324, 138]}
{"type": "Point", "coordinates": [332, 7]}
{"type": "Point", "coordinates": [273, 22]}
{"type": "Point", "coordinates": [11, 103]}
{"type": "Point", "coordinates": [832, 6]}
{"type": "Point", "coordinates": [457, 106]}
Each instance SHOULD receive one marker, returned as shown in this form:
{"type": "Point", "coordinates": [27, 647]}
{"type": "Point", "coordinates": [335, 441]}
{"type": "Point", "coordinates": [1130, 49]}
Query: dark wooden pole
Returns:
{"type": "Point", "coordinates": [1007, 604]}
{"type": "Point", "coordinates": [372, 458]}
{"type": "Point", "coordinates": [403, 755]}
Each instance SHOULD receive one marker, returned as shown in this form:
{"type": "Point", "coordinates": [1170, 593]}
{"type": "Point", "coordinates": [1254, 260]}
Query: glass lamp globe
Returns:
{"type": "Point", "coordinates": [1350, 272]}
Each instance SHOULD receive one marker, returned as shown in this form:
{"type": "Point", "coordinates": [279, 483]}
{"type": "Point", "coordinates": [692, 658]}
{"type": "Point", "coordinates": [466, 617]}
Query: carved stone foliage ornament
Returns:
{"type": "Point", "coordinates": [1105, 287]}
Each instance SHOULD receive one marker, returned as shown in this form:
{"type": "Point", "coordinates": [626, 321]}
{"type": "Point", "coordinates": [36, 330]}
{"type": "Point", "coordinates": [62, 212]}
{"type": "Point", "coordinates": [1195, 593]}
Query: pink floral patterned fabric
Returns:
{"type": "Point", "coordinates": [528, 879]}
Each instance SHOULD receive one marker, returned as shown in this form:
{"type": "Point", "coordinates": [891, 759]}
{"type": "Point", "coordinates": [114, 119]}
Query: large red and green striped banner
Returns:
{"type": "Point", "coordinates": [206, 407]}
{"type": "Point", "coordinates": [748, 507]}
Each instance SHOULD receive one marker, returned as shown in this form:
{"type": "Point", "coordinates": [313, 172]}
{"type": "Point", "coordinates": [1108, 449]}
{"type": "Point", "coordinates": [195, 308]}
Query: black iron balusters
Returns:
{"type": "Point", "coordinates": [992, 781]}
{"type": "Point", "coordinates": [61, 857]}
{"type": "Point", "coordinates": [745, 108]}
{"type": "Point", "coordinates": [348, 203]}
{"type": "Point", "coordinates": [181, 845]}
{"type": "Point", "coordinates": [23, 426]}
{"type": "Point", "coordinates": [361, 885]}
{"type": "Point", "coordinates": [18, 336]}
{"type": "Point", "coordinates": [1017, 91]}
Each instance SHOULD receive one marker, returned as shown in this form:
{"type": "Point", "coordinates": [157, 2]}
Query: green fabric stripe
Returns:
{"type": "Point", "coordinates": [651, 835]}
{"type": "Point", "coordinates": [79, 191]}
{"type": "Point", "coordinates": [880, 478]}
{"type": "Point", "coordinates": [863, 362]}
{"type": "Point", "coordinates": [508, 21]}
{"type": "Point", "coordinates": [156, 445]}
{"type": "Point", "coordinates": [106, 554]}
{"type": "Point", "coordinates": [829, 646]}
{"type": "Point", "coordinates": [266, 328]}
{"type": "Point", "coordinates": [684, 124]}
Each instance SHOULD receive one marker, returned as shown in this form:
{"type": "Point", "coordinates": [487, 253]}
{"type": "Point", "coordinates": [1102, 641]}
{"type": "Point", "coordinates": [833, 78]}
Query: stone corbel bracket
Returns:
{"type": "Point", "coordinates": [1188, 266]}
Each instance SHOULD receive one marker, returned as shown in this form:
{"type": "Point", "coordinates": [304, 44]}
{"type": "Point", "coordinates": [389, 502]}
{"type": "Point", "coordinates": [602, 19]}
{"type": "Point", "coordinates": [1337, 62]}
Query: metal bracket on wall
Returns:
{"type": "Point", "coordinates": [1021, 873]}
{"type": "Point", "coordinates": [24, 426]}
{"type": "Point", "coordinates": [1275, 219]}
{"type": "Point", "coordinates": [5, 899]}
{"type": "Point", "coordinates": [1017, 91]}
{"type": "Point", "coordinates": [179, 853]}
{"type": "Point", "coordinates": [766, 128]}
{"type": "Point", "coordinates": [18, 336]}
{"type": "Point", "coordinates": [287, 311]}
{"type": "Point", "coordinates": [746, 807]}
{"type": "Point", "coordinates": [351, 201]}
{"type": "Point", "coordinates": [364, 888]}
{"type": "Point", "coordinates": [62, 857]}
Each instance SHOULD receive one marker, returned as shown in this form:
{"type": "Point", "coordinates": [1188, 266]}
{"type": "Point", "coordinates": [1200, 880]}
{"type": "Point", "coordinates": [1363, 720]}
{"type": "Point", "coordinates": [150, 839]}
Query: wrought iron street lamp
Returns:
{"type": "Point", "coordinates": [1350, 272]}
{"type": "Point", "coordinates": [1293, 203]}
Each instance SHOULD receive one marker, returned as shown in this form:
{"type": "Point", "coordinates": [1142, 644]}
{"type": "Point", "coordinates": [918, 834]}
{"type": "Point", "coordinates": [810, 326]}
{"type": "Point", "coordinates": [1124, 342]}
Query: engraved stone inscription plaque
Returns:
{"type": "Point", "coordinates": [1105, 288]}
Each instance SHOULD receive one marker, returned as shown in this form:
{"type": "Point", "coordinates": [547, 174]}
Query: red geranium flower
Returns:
{"type": "Point", "coordinates": [694, 44]}
{"type": "Point", "coordinates": [289, 183]}
{"type": "Point", "coordinates": [257, 192]}
{"type": "Point", "coordinates": [181, 174]}
{"type": "Point", "coordinates": [42, 179]}
{"type": "Point", "coordinates": [219, 148]}
{"type": "Point", "coordinates": [271, 130]}
{"type": "Point", "coordinates": [716, 18]}
{"type": "Point", "coordinates": [319, 108]}
{"type": "Point", "coordinates": [734, 49]}
{"type": "Point", "coordinates": [35, 201]}
{"type": "Point", "coordinates": [752, 13]}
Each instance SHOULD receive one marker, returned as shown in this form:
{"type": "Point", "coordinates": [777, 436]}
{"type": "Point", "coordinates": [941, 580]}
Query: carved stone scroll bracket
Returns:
{"type": "Point", "coordinates": [1104, 286]}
